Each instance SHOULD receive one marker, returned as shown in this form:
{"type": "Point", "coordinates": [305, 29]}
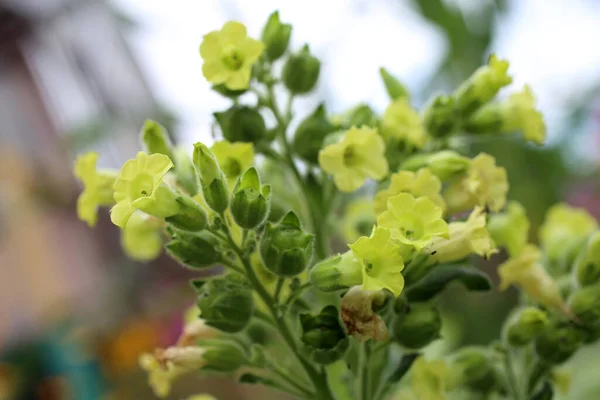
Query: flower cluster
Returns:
{"type": "Point", "coordinates": [263, 215]}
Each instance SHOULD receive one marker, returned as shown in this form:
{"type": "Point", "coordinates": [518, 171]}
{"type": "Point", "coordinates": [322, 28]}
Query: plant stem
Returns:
{"type": "Point", "coordinates": [513, 384]}
{"type": "Point", "coordinates": [278, 288]}
{"type": "Point", "coordinates": [291, 381]}
{"type": "Point", "coordinates": [366, 385]}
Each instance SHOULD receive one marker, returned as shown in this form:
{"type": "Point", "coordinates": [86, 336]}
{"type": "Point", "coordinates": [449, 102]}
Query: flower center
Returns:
{"type": "Point", "coordinates": [232, 57]}
{"type": "Point", "coordinates": [411, 228]}
{"type": "Point", "coordinates": [351, 157]}
{"type": "Point", "coordinates": [232, 168]}
{"type": "Point", "coordinates": [141, 186]}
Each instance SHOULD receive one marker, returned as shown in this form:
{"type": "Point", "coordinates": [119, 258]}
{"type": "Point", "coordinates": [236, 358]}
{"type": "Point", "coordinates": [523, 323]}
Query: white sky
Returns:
{"type": "Point", "coordinates": [551, 44]}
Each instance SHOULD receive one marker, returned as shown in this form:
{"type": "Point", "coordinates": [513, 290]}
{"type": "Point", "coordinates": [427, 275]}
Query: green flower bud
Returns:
{"type": "Point", "coordinates": [393, 86]}
{"type": "Point", "coordinates": [185, 171]}
{"type": "Point", "coordinates": [224, 91]}
{"type": "Point", "coordinates": [419, 327]}
{"type": "Point", "coordinates": [440, 117]}
{"type": "Point", "coordinates": [285, 248]}
{"type": "Point", "coordinates": [585, 304]}
{"type": "Point", "coordinates": [223, 355]}
{"type": "Point", "coordinates": [444, 164]}
{"type": "Point", "coordinates": [212, 180]}
{"type": "Point", "coordinates": [472, 367]}
{"type": "Point", "coordinates": [337, 272]}
{"type": "Point", "coordinates": [558, 342]}
{"type": "Point", "coordinates": [276, 37]}
{"type": "Point", "coordinates": [323, 335]}
{"type": "Point", "coordinates": [310, 134]}
{"type": "Point", "coordinates": [525, 326]}
{"type": "Point", "coordinates": [242, 124]}
{"type": "Point", "coordinates": [251, 201]}
{"type": "Point", "coordinates": [587, 265]}
{"type": "Point", "coordinates": [401, 306]}
{"type": "Point", "coordinates": [156, 139]}
{"type": "Point", "coordinates": [190, 217]}
{"type": "Point", "coordinates": [226, 302]}
{"type": "Point", "coordinates": [301, 72]}
{"type": "Point", "coordinates": [361, 115]}
{"type": "Point", "coordinates": [194, 250]}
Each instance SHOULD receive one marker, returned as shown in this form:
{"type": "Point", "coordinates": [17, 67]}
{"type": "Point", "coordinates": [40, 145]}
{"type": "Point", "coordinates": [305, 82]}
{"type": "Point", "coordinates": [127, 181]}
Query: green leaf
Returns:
{"type": "Point", "coordinates": [545, 393]}
{"type": "Point", "coordinates": [437, 280]}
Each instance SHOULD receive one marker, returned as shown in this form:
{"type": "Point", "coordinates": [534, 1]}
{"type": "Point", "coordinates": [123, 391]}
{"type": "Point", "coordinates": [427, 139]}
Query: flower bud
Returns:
{"type": "Point", "coordinates": [251, 201]}
{"type": "Point", "coordinates": [358, 313]}
{"type": "Point", "coordinates": [444, 164]}
{"type": "Point", "coordinates": [276, 37]}
{"type": "Point", "coordinates": [395, 89]}
{"type": "Point", "coordinates": [194, 250]}
{"type": "Point", "coordinates": [225, 91]}
{"type": "Point", "coordinates": [242, 124]}
{"type": "Point", "coordinates": [185, 173]}
{"type": "Point", "coordinates": [525, 326]}
{"type": "Point", "coordinates": [585, 305]}
{"type": "Point", "coordinates": [310, 134]}
{"type": "Point", "coordinates": [301, 72]}
{"type": "Point", "coordinates": [361, 115]}
{"type": "Point", "coordinates": [558, 342]}
{"type": "Point", "coordinates": [226, 302]}
{"type": "Point", "coordinates": [285, 248]}
{"type": "Point", "coordinates": [472, 367]}
{"type": "Point", "coordinates": [323, 335]}
{"type": "Point", "coordinates": [223, 355]}
{"type": "Point", "coordinates": [587, 265]}
{"type": "Point", "coordinates": [418, 327]}
{"type": "Point", "coordinates": [190, 216]}
{"type": "Point", "coordinates": [337, 272]}
{"type": "Point", "coordinates": [212, 179]}
{"type": "Point", "coordinates": [440, 117]}
{"type": "Point", "coordinates": [156, 139]}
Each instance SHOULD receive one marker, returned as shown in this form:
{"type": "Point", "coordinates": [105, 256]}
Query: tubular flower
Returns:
{"type": "Point", "coordinates": [563, 228]}
{"type": "Point", "coordinates": [414, 222]}
{"type": "Point", "coordinates": [421, 183]}
{"type": "Point", "coordinates": [526, 272]}
{"type": "Point", "coordinates": [357, 156]}
{"type": "Point", "coordinates": [470, 236]}
{"type": "Point", "coordinates": [160, 378]}
{"type": "Point", "coordinates": [141, 239]}
{"type": "Point", "coordinates": [139, 186]}
{"type": "Point", "coordinates": [381, 261]}
{"type": "Point", "coordinates": [98, 187]}
{"type": "Point", "coordinates": [233, 158]}
{"type": "Point", "coordinates": [510, 229]}
{"type": "Point", "coordinates": [485, 185]}
{"type": "Point", "coordinates": [402, 122]}
{"type": "Point", "coordinates": [519, 114]}
{"type": "Point", "coordinates": [358, 219]}
{"type": "Point", "coordinates": [228, 56]}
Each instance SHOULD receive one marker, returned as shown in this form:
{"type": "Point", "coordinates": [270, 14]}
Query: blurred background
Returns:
{"type": "Point", "coordinates": [77, 75]}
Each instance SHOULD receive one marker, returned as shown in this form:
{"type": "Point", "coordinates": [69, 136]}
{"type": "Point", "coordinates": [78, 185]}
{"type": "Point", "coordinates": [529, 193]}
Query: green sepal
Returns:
{"type": "Point", "coordinates": [301, 71]}
{"type": "Point", "coordinates": [394, 88]}
{"type": "Point", "coordinates": [242, 124]}
{"type": "Point", "coordinates": [190, 217]}
{"type": "Point", "coordinates": [418, 327]}
{"type": "Point", "coordinates": [323, 335]}
{"type": "Point", "coordinates": [195, 250]}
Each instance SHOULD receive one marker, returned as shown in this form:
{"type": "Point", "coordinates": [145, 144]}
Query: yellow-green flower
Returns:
{"type": "Point", "coordinates": [421, 183]}
{"type": "Point", "coordinates": [139, 186]}
{"type": "Point", "coordinates": [413, 221]}
{"type": "Point", "coordinates": [466, 237]}
{"type": "Point", "coordinates": [160, 378]}
{"type": "Point", "coordinates": [526, 272]}
{"type": "Point", "coordinates": [357, 156]}
{"type": "Point", "coordinates": [358, 219]}
{"type": "Point", "coordinates": [485, 185]}
{"type": "Point", "coordinates": [519, 114]}
{"type": "Point", "coordinates": [428, 381]}
{"type": "Point", "coordinates": [228, 56]}
{"type": "Point", "coordinates": [202, 397]}
{"type": "Point", "coordinates": [564, 227]}
{"type": "Point", "coordinates": [141, 239]}
{"type": "Point", "coordinates": [381, 261]}
{"type": "Point", "coordinates": [97, 187]}
{"type": "Point", "coordinates": [233, 158]}
{"type": "Point", "coordinates": [511, 228]}
{"type": "Point", "coordinates": [402, 122]}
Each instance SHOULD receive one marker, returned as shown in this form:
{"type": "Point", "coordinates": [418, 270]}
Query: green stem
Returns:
{"type": "Point", "coordinates": [513, 384]}
{"type": "Point", "coordinates": [539, 370]}
{"type": "Point", "coordinates": [359, 371]}
{"type": "Point", "coordinates": [366, 385]}
{"type": "Point", "coordinates": [278, 288]}
{"type": "Point", "coordinates": [319, 383]}
{"type": "Point", "coordinates": [292, 381]}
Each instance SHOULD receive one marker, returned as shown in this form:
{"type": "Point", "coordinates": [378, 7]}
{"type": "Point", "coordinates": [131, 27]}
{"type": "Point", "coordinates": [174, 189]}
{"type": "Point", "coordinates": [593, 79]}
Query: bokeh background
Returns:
{"type": "Point", "coordinates": [77, 75]}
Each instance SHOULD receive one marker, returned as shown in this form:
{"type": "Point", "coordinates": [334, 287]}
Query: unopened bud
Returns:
{"type": "Point", "coordinates": [337, 272]}
{"type": "Point", "coordinates": [585, 305]}
{"type": "Point", "coordinates": [323, 335]}
{"type": "Point", "coordinates": [156, 139]}
{"type": "Point", "coordinates": [223, 355]}
{"type": "Point", "coordinates": [558, 342]}
{"type": "Point", "coordinates": [444, 164]}
{"type": "Point", "coordinates": [190, 216]}
{"type": "Point", "coordinates": [440, 117]}
{"type": "Point", "coordinates": [525, 326]}
{"type": "Point", "coordinates": [194, 250]}
{"type": "Point", "coordinates": [418, 327]}
{"type": "Point", "coordinates": [310, 134]}
{"type": "Point", "coordinates": [212, 179]}
{"type": "Point", "coordinates": [276, 37]}
{"type": "Point", "coordinates": [395, 89]}
{"type": "Point", "coordinates": [242, 124]}
{"type": "Point", "coordinates": [185, 172]}
{"type": "Point", "coordinates": [251, 201]}
{"type": "Point", "coordinates": [301, 71]}
{"type": "Point", "coordinates": [285, 248]}
{"type": "Point", "coordinates": [472, 367]}
{"type": "Point", "coordinates": [587, 265]}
